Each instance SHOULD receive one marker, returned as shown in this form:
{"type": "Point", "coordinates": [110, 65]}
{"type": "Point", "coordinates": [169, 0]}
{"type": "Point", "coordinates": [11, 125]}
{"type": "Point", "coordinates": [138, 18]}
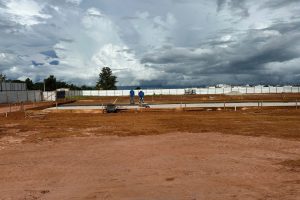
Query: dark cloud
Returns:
{"type": "Point", "coordinates": [245, 58]}
{"type": "Point", "coordinates": [237, 6]}
{"type": "Point", "coordinates": [279, 3]}
{"type": "Point", "coordinates": [50, 53]}
{"type": "Point", "coordinates": [240, 7]}
{"type": "Point", "coordinates": [175, 55]}
{"type": "Point", "coordinates": [174, 42]}
{"type": "Point", "coordinates": [221, 4]}
{"type": "Point", "coordinates": [286, 27]}
{"type": "Point", "coordinates": [54, 62]}
{"type": "Point", "coordinates": [2, 5]}
{"type": "Point", "coordinates": [37, 63]}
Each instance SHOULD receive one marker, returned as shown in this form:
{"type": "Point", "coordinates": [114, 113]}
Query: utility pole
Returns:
{"type": "Point", "coordinates": [44, 85]}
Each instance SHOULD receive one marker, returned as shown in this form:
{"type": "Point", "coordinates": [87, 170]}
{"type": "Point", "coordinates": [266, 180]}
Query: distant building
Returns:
{"type": "Point", "coordinates": [63, 89]}
{"type": "Point", "coordinates": [61, 93]}
{"type": "Point", "coordinates": [190, 91]}
{"type": "Point", "coordinates": [223, 86]}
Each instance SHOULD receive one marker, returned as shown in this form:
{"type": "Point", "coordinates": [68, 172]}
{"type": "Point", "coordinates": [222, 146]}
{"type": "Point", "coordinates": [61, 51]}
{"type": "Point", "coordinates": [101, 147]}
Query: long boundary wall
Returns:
{"type": "Point", "coordinates": [36, 96]}
{"type": "Point", "coordinates": [6, 86]}
{"type": "Point", "coordinates": [20, 96]}
{"type": "Point", "coordinates": [49, 96]}
{"type": "Point", "coordinates": [149, 92]}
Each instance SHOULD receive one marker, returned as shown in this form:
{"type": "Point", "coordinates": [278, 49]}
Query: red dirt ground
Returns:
{"type": "Point", "coordinates": [251, 154]}
{"type": "Point", "coordinates": [158, 99]}
{"type": "Point", "coordinates": [170, 166]}
{"type": "Point", "coordinates": [16, 107]}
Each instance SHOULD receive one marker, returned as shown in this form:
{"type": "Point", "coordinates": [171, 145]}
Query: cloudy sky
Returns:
{"type": "Point", "coordinates": [152, 42]}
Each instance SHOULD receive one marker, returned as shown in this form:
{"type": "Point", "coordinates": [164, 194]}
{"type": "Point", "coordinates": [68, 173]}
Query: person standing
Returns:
{"type": "Point", "coordinates": [132, 94]}
{"type": "Point", "coordinates": [141, 96]}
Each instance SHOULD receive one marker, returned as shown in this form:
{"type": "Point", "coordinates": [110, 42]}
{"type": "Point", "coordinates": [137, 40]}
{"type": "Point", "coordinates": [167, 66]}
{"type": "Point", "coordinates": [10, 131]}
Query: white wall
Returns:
{"type": "Point", "coordinates": [49, 96]}
{"type": "Point", "coordinates": [242, 90]}
{"type": "Point", "coordinates": [35, 96]}
{"type": "Point", "coordinates": [20, 96]}
{"type": "Point", "coordinates": [5, 86]}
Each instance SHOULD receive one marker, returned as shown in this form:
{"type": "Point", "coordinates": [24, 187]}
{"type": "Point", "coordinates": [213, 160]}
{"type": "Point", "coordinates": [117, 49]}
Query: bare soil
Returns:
{"type": "Point", "coordinates": [280, 122]}
{"type": "Point", "coordinates": [161, 99]}
{"type": "Point", "coordinates": [250, 154]}
{"type": "Point", "coordinates": [16, 107]}
{"type": "Point", "coordinates": [169, 166]}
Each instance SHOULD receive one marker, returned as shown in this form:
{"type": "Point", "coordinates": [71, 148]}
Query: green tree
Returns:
{"type": "Point", "coordinates": [50, 83]}
{"type": "Point", "coordinates": [85, 87]}
{"type": "Point", "coordinates": [29, 84]}
{"type": "Point", "coordinates": [2, 78]}
{"type": "Point", "coordinates": [16, 81]}
{"type": "Point", "coordinates": [62, 84]}
{"type": "Point", "coordinates": [38, 86]}
{"type": "Point", "coordinates": [106, 81]}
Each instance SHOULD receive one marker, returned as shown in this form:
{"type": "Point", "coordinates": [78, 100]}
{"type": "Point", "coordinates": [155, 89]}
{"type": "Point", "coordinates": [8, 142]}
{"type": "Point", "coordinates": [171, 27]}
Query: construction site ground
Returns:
{"type": "Point", "coordinates": [169, 99]}
{"type": "Point", "coordinates": [247, 154]}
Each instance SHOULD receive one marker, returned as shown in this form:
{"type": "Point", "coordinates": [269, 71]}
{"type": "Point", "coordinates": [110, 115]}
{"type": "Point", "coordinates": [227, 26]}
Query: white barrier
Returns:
{"type": "Point", "coordinates": [150, 92]}
{"type": "Point", "coordinates": [36, 96]}
{"type": "Point", "coordinates": [6, 86]}
{"type": "Point", "coordinates": [20, 96]}
{"type": "Point", "coordinates": [49, 96]}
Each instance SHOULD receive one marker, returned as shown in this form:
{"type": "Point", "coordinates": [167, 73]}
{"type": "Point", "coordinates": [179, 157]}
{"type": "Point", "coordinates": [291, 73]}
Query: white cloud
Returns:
{"type": "Point", "coordinates": [124, 64]}
{"type": "Point", "coordinates": [25, 12]}
{"type": "Point", "coordinates": [96, 44]}
{"type": "Point", "coordinates": [77, 2]}
{"type": "Point", "coordinates": [153, 32]}
{"type": "Point", "coordinates": [286, 67]}
{"type": "Point", "coordinates": [94, 12]}
{"type": "Point", "coordinates": [144, 42]}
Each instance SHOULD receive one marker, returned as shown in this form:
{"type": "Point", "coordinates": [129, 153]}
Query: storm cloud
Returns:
{"type": "Point", "coordinates": [171, 42]}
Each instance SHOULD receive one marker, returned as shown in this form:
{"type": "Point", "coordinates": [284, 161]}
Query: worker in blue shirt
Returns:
{"type": "Point", "coordinates": [141, 96]}
{"type": "Point", "coordinates": [132, 97]}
